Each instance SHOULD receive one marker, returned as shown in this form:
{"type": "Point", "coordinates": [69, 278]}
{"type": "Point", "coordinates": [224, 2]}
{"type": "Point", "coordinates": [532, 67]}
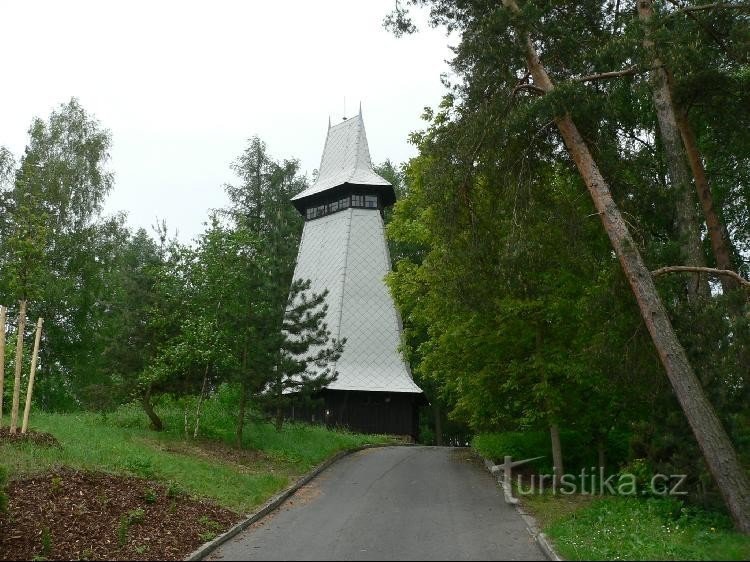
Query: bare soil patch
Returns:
{"type": "Point", "coordinates": [75, 515]}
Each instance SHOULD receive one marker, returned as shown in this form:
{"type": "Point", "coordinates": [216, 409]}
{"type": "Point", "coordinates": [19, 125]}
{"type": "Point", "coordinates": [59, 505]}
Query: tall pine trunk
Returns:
{"type": "Point", "coordinates": [688, 227]}
{"type": "Point", "coordinates": [717, 449]}
{"type": "Point", "coordinates": [717, 232]}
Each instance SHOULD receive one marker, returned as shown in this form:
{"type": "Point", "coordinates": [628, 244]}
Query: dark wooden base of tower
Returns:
{"type": "Point", "coordinates": [392, 413]}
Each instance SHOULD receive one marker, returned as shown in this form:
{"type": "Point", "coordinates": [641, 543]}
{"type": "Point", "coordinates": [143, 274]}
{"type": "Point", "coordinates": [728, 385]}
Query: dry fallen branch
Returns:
{"type": "Point", "coordinates": [694, 269]}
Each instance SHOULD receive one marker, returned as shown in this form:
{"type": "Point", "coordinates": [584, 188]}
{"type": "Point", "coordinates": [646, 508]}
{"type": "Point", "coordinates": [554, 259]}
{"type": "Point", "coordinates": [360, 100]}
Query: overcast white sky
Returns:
{"type": "Point", "coordinates": [181, 85]}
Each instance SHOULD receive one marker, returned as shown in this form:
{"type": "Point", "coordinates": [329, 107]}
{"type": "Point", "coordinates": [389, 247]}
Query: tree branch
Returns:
{"type": "Point", "coordinates": [689, 11]}
{"type": "Point", "coordinates": [715, 5]}
{"type": "Point", "coordinates": [529, 87]}
{"type": "Point", "coordinates": [630, 71]}
{"type": "Point", "coordinates": [694, 269]}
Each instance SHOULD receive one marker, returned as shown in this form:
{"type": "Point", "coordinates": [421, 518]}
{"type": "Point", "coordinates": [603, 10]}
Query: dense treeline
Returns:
{"type": "Point", "coordinates": [518, 305]}
{"type": "Point", "coordinates": [133, 316]}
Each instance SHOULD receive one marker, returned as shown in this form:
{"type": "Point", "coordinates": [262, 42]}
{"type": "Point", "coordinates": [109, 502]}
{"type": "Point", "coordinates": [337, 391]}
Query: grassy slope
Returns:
{"type": "Point", "coordinates": [585, 527]}
{"type": "Point", "coordinates": [623, 528]}
{"type": "Point", "coordinates": [239, 481]}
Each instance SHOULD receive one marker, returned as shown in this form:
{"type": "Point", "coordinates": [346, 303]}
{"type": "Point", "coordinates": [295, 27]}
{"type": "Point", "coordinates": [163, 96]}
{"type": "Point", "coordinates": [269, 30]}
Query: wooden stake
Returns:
{"type": "Point", "coordinates": [3, 312]}
{"type": "Point", "coordinates": [32, 374]}
{"type": "Point", "coordinates": [19, 361]}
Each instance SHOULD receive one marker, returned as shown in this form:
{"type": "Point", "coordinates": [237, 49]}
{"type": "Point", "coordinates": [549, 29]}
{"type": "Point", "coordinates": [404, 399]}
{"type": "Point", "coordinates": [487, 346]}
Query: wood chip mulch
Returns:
{"type": "Point", "coordinates": [75, 515]}
{"type": "Point", "coordinates": [36, 437]}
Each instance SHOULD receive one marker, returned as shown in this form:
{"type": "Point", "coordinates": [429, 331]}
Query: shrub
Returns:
{"type": "Point", "coordinates": [174, 490]}
{"type": "Point", "coordinates": [56, 484]}
{"type": "Point", "coordinates": [136, 516]}
{"type": "Point", "coordinates": [140, 466]}
{"type": "Point", "coordinates": [46, 542]}
{"type": "Point", "coordinates": [122, 531]}
{"type": "Point", "coordinates": [126, 521]}
{"type": "Point", "coordinates": [579, 451]}
{"type": "Point", "coordinates": [150, 495]}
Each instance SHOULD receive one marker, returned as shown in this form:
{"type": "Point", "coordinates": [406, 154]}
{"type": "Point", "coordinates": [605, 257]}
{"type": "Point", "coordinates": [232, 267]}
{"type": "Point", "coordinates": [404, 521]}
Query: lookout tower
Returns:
{"type": "Point", "coordinates": [343, 249]}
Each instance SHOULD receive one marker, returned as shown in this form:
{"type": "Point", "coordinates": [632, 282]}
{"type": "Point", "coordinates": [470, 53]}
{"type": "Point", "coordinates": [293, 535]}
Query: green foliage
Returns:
{"type": "Point", "coordinates": [206, 536]}
{"type": "Point", "coordinates": [127, 520]}
{"type": "Point", "coordinates": [136, 516]}
{"type": "Point", "coordinates": [53, 242]}
{"type": "Point", "coordinates": [212, 529]}
{"type": "Point", "coordinates": [150, 495]}
{"type": "Point", "coordinates": [122, 531]}
{"type": "Point", "coordinates": [653, 529]}
{"type": "Point", "coordinates": [643, 473]}
{"type": "Point", "coordinates": [578, 450]}
{"type": "Point", "coordinates": [46, 539]}
{"type": "Point", "coordinates": [210, 523]}
{"type": "Point", "coordinates": [139, 466]}
{"type": "Point", "coordinates": [56, 484]}
{"type": "Point", "coordinates": [174, 490]}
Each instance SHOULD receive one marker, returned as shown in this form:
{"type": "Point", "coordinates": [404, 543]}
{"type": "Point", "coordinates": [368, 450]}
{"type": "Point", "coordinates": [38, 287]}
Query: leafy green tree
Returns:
{"type": "Point", "coordinates": [527, 72]}
{"type": "Point", "coordinates": [54, 244]}
{"type": "Point", "coordinates": [127, 335]}
{"type": "Point", "coordinates": [261, 206]}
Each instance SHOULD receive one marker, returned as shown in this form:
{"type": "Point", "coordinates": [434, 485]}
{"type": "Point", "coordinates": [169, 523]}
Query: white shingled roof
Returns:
{"type": "Point", "coordinates": [346, 253]}
{"type": "Point", "coordinates": [346, 159]}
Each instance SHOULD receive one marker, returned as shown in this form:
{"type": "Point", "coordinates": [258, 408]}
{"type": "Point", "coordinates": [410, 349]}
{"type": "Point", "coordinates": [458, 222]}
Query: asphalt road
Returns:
{"type": "Point", "coordinates": [393, 503]}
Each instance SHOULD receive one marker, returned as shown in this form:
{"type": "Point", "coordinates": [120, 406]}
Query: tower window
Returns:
{"type": "Point", "coordinates": [339, 204]}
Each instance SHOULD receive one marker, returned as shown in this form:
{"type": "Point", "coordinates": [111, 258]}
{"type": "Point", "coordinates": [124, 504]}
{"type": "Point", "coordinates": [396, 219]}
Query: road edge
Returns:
{"type": "Point", "coordinates": [532, 526]}
{"type": "Point", "coordinates": [276, 501]}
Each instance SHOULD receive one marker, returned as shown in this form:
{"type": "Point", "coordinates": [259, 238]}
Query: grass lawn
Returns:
{"type": "Point", "coordinates": [627, 528]}
{"type": "Point", "coordinates": [595, 527]}
{"type": "Point", "coordinates": [237, 479]}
